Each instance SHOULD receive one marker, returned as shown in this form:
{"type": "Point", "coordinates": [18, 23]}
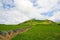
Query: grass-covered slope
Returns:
{"type": "Point", "coordinates": [25, 24]}
{"type": "Point", "coordinates": [41, 30]}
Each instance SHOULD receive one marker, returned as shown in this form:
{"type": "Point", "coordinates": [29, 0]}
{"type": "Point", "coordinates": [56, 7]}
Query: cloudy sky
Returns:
{"type": "Point", "coordinates": [18, 11]}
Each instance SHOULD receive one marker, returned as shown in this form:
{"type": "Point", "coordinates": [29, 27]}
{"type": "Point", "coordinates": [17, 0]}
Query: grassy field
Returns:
{"type": "Point", "coordinates": [39, 31]}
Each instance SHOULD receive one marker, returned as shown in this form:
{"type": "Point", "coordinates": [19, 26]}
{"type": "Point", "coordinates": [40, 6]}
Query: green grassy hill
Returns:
{"type": "Point", "coordinates": [25, 24]}
{"type": "Point", "coordinates": [35, 22]}
{"type": "Point", "coordinates": [41, 30]}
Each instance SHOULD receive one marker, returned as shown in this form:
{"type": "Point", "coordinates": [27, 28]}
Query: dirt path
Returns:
{"type": "Point", "coordinates": [8, 35]}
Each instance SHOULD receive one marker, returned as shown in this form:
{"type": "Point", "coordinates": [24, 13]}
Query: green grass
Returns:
{"type": "Point", "coordinates": [11, 27]}
{"type": "Point", "coordinates": [38, 32]}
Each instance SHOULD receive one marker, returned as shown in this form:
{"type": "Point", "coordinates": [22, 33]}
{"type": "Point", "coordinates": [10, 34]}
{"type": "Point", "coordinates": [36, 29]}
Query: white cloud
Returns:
{"type": "Point", "coordinates": [55, 17]}
{"type": "Point", "coordinates": [24, 10]}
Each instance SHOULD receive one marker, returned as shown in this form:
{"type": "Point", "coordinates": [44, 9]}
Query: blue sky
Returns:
{"type": "Point", "coordinates": [17, 11]}
{"type": "Point", "coordinates": [49, 13]}
{"type": "Point", "coordinates": [8, 4]}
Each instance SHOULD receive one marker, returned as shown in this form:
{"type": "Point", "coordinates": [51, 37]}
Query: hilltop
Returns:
{"type": "Point", "coordinates": [35, 22]}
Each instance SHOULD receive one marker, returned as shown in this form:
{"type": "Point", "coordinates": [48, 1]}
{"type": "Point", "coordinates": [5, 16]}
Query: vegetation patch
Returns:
{"type": "Point", "coordinates": [41, 30]}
